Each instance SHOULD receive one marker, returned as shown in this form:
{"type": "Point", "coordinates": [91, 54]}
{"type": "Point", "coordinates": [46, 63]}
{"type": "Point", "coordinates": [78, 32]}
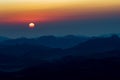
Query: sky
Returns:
{"type": "Point", "coordinates": [59, 17]}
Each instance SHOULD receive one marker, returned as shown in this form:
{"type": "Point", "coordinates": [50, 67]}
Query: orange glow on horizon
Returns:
{"type": "Point", "coordinates": [26, 11]}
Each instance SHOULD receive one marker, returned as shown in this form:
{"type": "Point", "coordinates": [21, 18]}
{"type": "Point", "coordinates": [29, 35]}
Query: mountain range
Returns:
{"type": "Point", "coordinates": [90, 57]}
{"type": "Point", "coordinates": [48, 41]}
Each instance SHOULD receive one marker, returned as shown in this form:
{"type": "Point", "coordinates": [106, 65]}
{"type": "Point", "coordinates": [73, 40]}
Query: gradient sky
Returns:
{"type": "Point", "coordinates": [59, 17]}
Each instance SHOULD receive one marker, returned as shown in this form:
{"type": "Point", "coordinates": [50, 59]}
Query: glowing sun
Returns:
{"type": "Point", "coordinates": [31, 25]}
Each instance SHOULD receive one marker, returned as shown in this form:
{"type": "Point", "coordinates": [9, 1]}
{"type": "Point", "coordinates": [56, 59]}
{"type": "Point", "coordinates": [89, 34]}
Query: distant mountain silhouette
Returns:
{"type": "Point", "coordinates": [25, 59]}
{"type": "Point", "coordinates": [3, 38]}
{"type": "Point", "coordinates": [96, 45]}
{"type": "Point", "coordinates": [49, 41]}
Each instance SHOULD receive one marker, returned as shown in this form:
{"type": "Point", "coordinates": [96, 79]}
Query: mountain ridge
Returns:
{"type": "Point", "coordinates": [48, 41]}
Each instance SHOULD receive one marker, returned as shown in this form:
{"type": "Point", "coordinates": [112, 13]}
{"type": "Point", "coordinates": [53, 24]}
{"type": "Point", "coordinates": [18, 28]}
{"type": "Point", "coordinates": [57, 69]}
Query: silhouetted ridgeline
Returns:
{"type": "Point", "coordinates": [97, 57]}
{"type": "Point", "coordinates": [49, 41]}
{"type": "Point", "coordinates": [3, 38]}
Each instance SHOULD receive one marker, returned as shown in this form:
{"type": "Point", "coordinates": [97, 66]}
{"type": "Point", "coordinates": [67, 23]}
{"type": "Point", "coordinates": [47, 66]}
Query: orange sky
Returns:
{"type": "Point", "coordinates": [20, 11]}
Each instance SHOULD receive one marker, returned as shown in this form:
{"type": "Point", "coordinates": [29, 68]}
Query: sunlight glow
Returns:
{"type": "Point", "coordinates": [31, 25]}
{"type": "Point", "coordinates": [52, 10]}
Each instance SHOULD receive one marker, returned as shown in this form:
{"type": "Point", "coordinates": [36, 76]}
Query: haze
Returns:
{"type": "Point", "coordinates": [59, 17]}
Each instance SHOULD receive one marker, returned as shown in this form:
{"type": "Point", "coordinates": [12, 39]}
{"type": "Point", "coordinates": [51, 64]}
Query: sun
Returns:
{"type": "Point", "coordinates": [31, 25]}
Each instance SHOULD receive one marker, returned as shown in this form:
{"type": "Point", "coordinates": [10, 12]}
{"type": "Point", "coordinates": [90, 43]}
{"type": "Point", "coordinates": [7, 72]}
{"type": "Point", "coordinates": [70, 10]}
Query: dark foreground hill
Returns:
{"type": "Point", "coordinates": [96, 58]}
{"type": "Point", "coordinates": [71, 68]}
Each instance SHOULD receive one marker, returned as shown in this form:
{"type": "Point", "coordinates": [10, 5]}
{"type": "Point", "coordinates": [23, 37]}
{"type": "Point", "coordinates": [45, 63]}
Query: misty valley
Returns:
{"type": "Point", "coordinates": [59, 39]}
{"type": "Point", "coordinates": [68, 57]}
